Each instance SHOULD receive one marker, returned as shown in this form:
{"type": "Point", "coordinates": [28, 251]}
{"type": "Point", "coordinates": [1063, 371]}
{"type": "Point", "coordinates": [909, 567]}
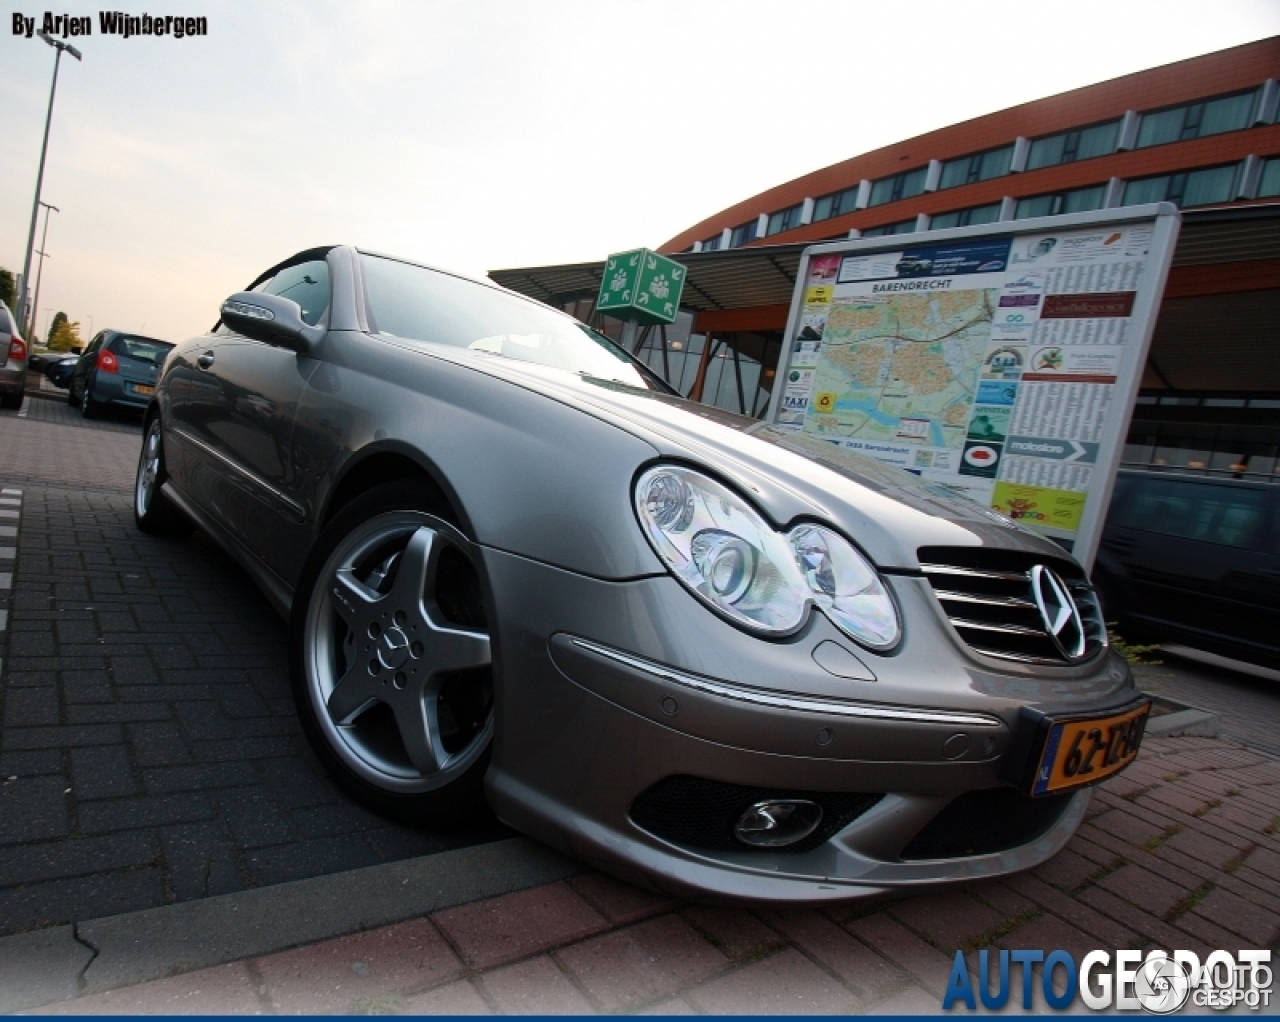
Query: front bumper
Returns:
{"type": "Point", "coordinates": [605, 689]}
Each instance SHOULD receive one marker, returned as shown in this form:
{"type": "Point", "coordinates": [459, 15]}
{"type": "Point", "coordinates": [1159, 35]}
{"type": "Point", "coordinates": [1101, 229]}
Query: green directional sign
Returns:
{"type": "Point", "coordinates": [641, 286]}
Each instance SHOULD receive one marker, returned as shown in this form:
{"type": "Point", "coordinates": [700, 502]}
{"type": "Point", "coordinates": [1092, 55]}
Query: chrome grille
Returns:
{"type": "Point", "coordinates": [988, 598]}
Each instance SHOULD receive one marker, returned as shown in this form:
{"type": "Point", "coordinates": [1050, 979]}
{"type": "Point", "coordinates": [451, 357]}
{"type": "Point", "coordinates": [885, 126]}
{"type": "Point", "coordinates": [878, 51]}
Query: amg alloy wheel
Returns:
{"type": "Point", "coordinates": [152, 510]}
{"type": "Point", "coordinates": [391, 659]}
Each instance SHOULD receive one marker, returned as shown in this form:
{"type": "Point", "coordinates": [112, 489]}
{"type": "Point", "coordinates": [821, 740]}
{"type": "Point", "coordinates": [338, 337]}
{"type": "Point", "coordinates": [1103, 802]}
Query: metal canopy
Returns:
{"type": "Point", "coordinates": [761, 275]}
{"type": "Point", "coordinates": [736, 279]}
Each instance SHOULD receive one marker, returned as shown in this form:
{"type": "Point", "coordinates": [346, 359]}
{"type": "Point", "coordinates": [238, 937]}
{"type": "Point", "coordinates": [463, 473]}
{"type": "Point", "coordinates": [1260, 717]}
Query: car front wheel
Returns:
{"type": "Point", "coordinates": [390, 656]}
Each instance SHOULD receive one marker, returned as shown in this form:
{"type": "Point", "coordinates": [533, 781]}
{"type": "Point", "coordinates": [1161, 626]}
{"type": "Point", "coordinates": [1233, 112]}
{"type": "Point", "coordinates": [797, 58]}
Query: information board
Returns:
{"type": "Point", "coordinates": [1001, 360]}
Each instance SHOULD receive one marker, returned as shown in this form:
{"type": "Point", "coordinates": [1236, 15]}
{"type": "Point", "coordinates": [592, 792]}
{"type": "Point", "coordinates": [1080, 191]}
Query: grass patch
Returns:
{"type": "Point", "coordinates": [1133, 652]}
{"type": "Point", "coordinates": [1152, 843]}
{"type": "Point", "coordinates": [1177, 776]}
{"type": "Point", "coordinates": [383, 1004]}
{"type": "Point", "coordinates": [1273, 826]}
{"type": "Point", "coordinates": [1188, 903]}
{"type": "Point", "coordinates": [1212, 804]}
{"type": "Point", "coordinates": [1137, 793]}
{"type": "Point", "coordinates": [1234, 864]}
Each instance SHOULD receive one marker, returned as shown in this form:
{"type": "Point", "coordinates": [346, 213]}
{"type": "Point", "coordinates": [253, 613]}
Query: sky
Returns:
{"type": "Point", "coordinates": [484, 134]}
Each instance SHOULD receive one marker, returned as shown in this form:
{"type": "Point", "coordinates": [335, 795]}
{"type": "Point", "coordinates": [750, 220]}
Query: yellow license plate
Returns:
{"type": "Point", "coordinates": [1079, 752]}
{"type": "Point", "coordinates": [143, 388]}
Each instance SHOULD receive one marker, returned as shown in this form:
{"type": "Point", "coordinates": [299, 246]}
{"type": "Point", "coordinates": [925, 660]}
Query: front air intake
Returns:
{"type": "Point", "coordinates": [1011, 605]}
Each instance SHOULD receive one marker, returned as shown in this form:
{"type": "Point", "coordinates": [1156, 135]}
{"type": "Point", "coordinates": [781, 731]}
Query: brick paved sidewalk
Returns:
{"type": "Point", "coordinates": [1180, 852]}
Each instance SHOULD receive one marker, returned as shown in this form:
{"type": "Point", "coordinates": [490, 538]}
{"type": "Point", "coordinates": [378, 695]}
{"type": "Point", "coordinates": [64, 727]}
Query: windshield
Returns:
{"type": "Point", "coordinates": [415, 303]}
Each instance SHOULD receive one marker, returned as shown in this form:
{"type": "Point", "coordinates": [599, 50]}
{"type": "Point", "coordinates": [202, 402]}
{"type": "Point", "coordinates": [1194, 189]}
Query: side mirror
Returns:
{"type": "Point", "coordinates": [271, 318]}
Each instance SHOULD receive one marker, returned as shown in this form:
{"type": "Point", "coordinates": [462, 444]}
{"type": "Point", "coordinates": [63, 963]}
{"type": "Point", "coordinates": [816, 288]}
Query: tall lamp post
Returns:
{"type": "Point", "coordinates": [44, 245]}
{"type": "Point", "coordinates": [59, 46]}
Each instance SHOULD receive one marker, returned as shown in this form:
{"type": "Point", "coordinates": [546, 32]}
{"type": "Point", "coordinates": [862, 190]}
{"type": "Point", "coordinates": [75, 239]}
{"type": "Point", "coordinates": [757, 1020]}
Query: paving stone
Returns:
{"type": "Point", "coordinates": [33, 809]}
{"type": "Point", "coordinates": [640, 964]}
{"type": "Point", "coordinates": [1151, 893]}
{"type": "Point", "coordinates": [61, 737]}
{"type": "Point", "coordinates": [31, 706]}
{"type": "Point", "coordinates": [458, 998]}
{"type": "Point", "coordinates": [350, 974]}
{"type": "Point", "coordinates": [254, 817]}
{"type": "Point", "coordinates": [300, 859]}
{"type": "Point", "coordinates": [735, 932]}
{"type": "Point", "coordinates": [148, 811]}
{"type": "Point", "coordinates": [869, 975]}
{"type": "Point", "coordinates": [947, 919]}
{"type": "Point", "coordinates": [1238, 915]}
{"type": "Point", "coordinates": [34, 906]}
{"type": "Point", "coordinates": [158, 744]}
{"type": "Point", "coordinates": [199, 777]}
{"type": "Point", "coordinates": [534, 987]}
{"type": "Point", "coordinates": [890, 938]}
{"type": "Point", "coordinates": [47, 860]}
{"type": "Point", "coordinates": [786, 983]}
{"type": "Point", "coordinates": [518, 925]}
{"type": "Point", "coordinates": [102, 772]}
{"type": "Point", "coordinates": [200, 861]}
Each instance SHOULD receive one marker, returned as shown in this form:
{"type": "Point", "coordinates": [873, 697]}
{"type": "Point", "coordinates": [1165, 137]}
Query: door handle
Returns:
{"type": "Point", "coordinates": [205, 360]}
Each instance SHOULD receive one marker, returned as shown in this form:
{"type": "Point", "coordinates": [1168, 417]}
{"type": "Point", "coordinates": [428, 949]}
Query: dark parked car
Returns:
{"type": "Point", "coordinates": [59, 372]}
{"type": "Point", "coordinates": [118, 370]}
{"type": "Point", "coordinates": [13, 371]}
{"type": "Point", "coordinates": [1194, 560]}
{"type": "Point", "coordinates": [689, 647]}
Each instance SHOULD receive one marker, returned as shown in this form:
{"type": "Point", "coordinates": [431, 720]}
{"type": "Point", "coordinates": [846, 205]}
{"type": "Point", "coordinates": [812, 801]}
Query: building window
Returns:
{"type": "Point", "coordinates": [712, 243]}
{"type": "Point", "coordinates": [901, 227]}
{"type": "Point", "coordinates": [901, 186]}
{"type": "Point", "coordinates": [1196, 120]}
{"type": "Point", "coordinates": [1075, 201]}
{"type": "Point", "coordinates": [784, 219]}
{"type": "Point", "coordinates": [835, 204]}
{"type": "Point", "coordinates": [1194, 188]}
{"type": "Point", "coordinates": [1269, 182]}
{"type": "Point", "coordinates": [978, 167]}
{"type": "Point", "coordinates": [1069, 146]}
{"type": "Point", "coordinates": [744, 233]}
{"type": "Point", "coordinates": [965, 217]}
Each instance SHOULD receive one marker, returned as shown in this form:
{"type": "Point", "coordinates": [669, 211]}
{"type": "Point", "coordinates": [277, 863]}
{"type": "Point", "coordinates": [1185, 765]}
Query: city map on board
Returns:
{"type": "Point", "coordinates": [901, 368]}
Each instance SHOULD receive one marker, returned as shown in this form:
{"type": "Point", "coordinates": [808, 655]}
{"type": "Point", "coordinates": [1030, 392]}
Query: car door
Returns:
{"type": "Point", "coordinates": [80, 376]}
{"type": "Point", "coordinates": [246, 428]}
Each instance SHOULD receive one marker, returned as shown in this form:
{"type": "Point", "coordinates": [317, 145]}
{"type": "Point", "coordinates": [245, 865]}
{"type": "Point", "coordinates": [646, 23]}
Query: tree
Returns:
{"type": "Point", "coordinates": [66, 337]}
{"type": "Point", "coordinates": [55, 324]}
{"type": "Point", "coordinates": [8, 288]}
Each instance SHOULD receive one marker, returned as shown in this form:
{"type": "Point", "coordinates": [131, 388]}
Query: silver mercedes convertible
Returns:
{"type": "Point", "coordinates": [705, 654]}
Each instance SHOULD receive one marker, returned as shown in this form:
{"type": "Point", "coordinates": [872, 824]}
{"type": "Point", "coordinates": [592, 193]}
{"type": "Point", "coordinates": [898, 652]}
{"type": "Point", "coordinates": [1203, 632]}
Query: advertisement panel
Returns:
{"type": "Point", "coordinates": [1001, 360]}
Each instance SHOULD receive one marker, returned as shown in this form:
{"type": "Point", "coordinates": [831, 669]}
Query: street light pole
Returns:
{"type": "Point", "coordinates": [44, 244]}
{"type": "Point", "coordinates": [59, 46]}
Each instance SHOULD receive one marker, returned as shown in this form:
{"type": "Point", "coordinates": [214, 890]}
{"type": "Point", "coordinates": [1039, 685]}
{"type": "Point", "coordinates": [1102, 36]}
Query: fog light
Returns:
{"type": "Point", "coordinates": [778, 822]}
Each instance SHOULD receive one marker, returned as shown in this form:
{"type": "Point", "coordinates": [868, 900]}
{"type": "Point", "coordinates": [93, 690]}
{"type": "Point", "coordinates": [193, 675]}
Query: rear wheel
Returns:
{"type": "Point", "coordinates": [152, 510]}
{"type": "Point", "coordinates": [390, 656]}
{"type": "Point", "coordinates": [12, 400]}
{"type": "Point", "coordinates": [89, 408]}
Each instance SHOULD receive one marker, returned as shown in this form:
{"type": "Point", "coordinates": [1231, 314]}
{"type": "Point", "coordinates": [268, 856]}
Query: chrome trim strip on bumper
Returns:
{"type": "Point", "coordinates": [783, 702]}
{"type": "Point", "coordinates": [291, 505]}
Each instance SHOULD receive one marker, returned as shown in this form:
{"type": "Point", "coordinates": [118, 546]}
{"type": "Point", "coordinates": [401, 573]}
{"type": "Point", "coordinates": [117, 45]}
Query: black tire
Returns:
{"type": "Point", "coordinates": [71, 396]}
{"type": "Point", "coordinates": [12, 401]}
{"type": "Point", "coordinates": [390, 658]}
{"type": "Point", "coordinates": [152, 510]}
{"type": "Point", "coordinates": [89, 408]}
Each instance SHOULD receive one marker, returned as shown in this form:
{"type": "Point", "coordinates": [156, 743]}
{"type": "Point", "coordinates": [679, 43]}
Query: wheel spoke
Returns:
{"type": "Point", "coordinates": [420, 731]}
{"type": "Point", "coordinates": [416, 571]}
{"type": "Point", "coordinates": [352, 599]}
{"type": "Point", "coordinates": [454, 649]}
{"type": "Point", "coordinates": [353, 694]}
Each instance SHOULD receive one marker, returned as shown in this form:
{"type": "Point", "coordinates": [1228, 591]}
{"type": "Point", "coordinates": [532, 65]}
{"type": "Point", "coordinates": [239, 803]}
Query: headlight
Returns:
{"type": "Point", "coordinates": [730, 558]}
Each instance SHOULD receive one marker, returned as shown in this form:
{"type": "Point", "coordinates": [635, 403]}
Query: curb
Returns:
{"type": "Point", "coordinates": [1180, 719]}
{"type": "Point", "coordinates": [124, 950]}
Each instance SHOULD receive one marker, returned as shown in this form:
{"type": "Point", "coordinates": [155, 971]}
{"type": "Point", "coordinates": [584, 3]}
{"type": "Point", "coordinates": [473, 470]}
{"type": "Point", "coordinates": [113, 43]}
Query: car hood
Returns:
{"type": "Point", "coordinates": [790, 476]}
